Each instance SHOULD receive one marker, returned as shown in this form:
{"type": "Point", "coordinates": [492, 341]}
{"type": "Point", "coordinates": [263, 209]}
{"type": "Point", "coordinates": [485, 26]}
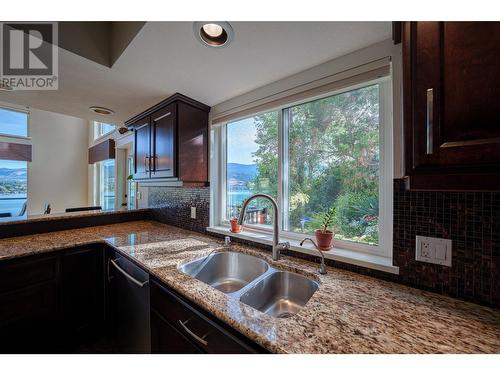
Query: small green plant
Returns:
{"type": "Point", "coordinates": [130, 177]}
{"type": "Point", "coordinates": [327, 219]}
{"type": "Point", "coordinates": [236, 211]}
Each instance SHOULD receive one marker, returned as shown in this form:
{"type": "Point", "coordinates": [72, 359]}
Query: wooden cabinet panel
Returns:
{"type": "Point", "coordinates": [29, 305]}
{"type": "Point", "coordinates": [165, 339]}
{"type": "Point", "coordinates": [142, 151]}
{"type": "Point", "coordinates": [451, 85]}
{"type": "Point", "coordinates": [163, 142]}
{"type": "Point", "coordinates": [193, 144]}
{"type": "Point", "coordinates": [83, 292]}
{"type": "Point", "coordinates": [21, 273]}
{"type": "Point", "coordinates": [49, 303]}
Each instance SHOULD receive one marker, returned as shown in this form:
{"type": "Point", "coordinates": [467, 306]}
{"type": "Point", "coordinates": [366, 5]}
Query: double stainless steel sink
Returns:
{"type": "Point", "coordinates": [254, 282]}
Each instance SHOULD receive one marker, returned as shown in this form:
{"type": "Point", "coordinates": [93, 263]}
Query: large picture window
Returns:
{"type": "Point", "coordinates": [13, 171]}
{"type": "Point", "coordinates": [311, 156]}
{"type": "Point", "coordinates": [13, 187]}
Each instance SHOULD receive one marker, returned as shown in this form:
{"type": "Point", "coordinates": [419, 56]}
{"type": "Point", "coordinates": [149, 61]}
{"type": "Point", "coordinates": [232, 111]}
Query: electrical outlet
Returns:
{"type": "Point", "coordinates": [425, 249]}
{"type": "Point", "coordinates": [193, 212]}
{"type": "Point", "coordinates": [433, 250]}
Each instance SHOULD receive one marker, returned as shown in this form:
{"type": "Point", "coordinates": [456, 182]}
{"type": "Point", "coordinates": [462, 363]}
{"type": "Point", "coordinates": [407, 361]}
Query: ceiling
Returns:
{"type": "Point", "coordinates": [165, 58]}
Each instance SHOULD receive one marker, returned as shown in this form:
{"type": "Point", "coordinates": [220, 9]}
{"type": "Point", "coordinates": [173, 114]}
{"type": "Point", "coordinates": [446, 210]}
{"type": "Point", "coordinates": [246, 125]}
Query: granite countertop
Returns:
{"type": "Point", "coordinates": [349, 313]}
{"type": "Point", "coordinates": [66, 215]}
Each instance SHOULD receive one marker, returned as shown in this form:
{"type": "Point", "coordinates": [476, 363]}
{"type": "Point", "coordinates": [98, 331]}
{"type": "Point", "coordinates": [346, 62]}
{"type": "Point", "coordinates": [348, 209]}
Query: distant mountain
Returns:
{"type": "Point", "coordinates": [8, 174]}
{"type": "Point", "coordinates": [241, 172]}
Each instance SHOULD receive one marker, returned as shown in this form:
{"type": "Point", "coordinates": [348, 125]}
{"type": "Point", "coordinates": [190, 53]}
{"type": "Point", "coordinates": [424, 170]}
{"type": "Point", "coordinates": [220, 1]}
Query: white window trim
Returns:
{"type": "Point", "coordinates": [96, 125]}
{"type": "Point", "coordinates": [377, 257]}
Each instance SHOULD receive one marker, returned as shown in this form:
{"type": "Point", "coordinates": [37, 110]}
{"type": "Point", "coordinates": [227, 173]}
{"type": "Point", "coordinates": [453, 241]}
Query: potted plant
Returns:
{"type": "Point", "coordinates": [235, 227]}
{"type": "Point", "coordinates": [324, 236]}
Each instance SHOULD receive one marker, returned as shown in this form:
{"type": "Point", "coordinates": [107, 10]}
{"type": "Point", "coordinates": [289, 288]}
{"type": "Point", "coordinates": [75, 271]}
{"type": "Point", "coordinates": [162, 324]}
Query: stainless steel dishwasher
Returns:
{"type": "Point", "coordinates": [130, 313]}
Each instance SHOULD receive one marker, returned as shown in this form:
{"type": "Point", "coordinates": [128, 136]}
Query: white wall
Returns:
{"type": "Point", "coordinates": [58, 173]}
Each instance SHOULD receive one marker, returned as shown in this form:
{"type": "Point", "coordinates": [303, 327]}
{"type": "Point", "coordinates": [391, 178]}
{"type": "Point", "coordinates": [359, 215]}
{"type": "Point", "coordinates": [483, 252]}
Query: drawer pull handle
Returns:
{"type": "Point", "coordinates": [122, 271]}
{"type": "Point", "coordinates": [429, 121]}
{"type": "Point", "coordinates": [192, 334]}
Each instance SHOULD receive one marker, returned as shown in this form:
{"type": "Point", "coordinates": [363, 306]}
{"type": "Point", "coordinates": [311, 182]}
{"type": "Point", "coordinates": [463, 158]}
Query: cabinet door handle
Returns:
{"type": "Point", "coordinates": [146, 162]}
{"type": "Point", "coordinates": [124, 273]}
{"type": "Point", "coordinates": [165, 115]}
{"type": "Point", "coordinates": [429, 122]}
{"type": "Point", "coordinates": [192, 334]}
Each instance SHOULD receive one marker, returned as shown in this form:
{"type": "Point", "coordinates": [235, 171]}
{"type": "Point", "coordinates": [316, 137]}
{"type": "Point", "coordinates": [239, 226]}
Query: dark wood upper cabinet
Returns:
{"type": "Point", "coordinates": [451, 89]}
{"type": "Point", "coordinates": [142, 151]}
{"type": "Point", "coordinates": [193, 144]}
{"type": "Point", "coordinates": [171, 141]}
{"type": "Point", "coordinates": [163, 142]}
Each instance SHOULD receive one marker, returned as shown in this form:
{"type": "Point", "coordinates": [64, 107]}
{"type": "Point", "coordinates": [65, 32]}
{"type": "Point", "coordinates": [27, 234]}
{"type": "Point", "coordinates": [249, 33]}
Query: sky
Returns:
{"type": "Point", "coordinates": [13, 123]}
{"type": "Point", "coordinates": [241, 141]}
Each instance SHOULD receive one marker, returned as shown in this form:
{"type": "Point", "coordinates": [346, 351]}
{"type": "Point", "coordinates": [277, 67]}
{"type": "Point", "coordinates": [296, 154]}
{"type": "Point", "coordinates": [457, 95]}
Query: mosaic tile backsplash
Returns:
{"type": "Point", "coordinates": [172, 205]}
{"type": "Point", "coordinates": [470, 220]}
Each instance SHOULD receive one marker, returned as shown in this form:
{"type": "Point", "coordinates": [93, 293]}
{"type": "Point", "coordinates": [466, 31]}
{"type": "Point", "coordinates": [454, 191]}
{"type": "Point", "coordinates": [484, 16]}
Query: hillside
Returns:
{"type": "Point", "coordinates": [8, 174]}
{"type": "Point", "coordinates": [241, 172]}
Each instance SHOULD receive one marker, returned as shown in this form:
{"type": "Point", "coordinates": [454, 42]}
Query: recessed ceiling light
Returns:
{"type": "Point", "coordinates": [213, 33]}
{"type": "Point", "coordinates": [213, 30]}
{"type": "Point", "coordinates": [102, 110]}
{"type": "Point", "coordinates": [5, 87]}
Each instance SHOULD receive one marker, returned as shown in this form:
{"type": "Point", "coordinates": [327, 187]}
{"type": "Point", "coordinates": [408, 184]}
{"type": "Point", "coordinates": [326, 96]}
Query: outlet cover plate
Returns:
{"type": "Point", "coordinates": [433, 250]}
{"type": "Point", "coordinates": [193, 212]}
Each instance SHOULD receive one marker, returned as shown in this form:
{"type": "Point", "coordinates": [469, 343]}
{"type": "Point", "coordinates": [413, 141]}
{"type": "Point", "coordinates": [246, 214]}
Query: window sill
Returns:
{"type": "Point", "coordinates": [375, 262]}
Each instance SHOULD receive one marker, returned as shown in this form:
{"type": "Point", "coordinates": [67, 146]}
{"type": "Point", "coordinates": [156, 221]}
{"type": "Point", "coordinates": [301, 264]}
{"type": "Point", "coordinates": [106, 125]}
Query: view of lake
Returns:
{"type": "Point", "coordinates": [237, 197]}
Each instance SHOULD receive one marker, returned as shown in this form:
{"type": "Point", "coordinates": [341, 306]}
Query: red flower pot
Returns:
{"type": "Point", "coordinates": [235, 227]}
{"type": "Point", "coordinates": [324, 239]}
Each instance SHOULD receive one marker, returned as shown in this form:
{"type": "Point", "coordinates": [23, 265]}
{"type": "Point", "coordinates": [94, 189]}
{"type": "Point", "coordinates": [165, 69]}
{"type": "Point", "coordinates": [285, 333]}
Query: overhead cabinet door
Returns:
{"type": "Point", "coordinates": [142, 162]}
{"type": "Point", "coordinates": [452, 89]}
{"type": "Point", "coordinates": [163, 142]}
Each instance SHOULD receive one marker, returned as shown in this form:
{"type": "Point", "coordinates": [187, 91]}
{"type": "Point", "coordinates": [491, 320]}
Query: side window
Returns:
{"type": "Point", "coordinates": [13, 123]}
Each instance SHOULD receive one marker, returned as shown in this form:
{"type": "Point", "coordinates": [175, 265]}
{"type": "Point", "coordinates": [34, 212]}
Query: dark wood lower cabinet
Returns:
{"type": "Point", "coordinates": [29, 305]}
{"type": "Point", "coordinates": [82, 294]}
{"type": "Point", "coordinates": [166, 339]}
{"type": "Point", "coordinates": [51, 303]}
{"type": "Point", "coordinates": [173, 318]}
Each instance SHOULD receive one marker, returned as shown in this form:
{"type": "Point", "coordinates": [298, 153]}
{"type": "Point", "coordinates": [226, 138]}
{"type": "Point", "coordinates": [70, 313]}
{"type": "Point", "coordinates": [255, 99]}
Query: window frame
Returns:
{"type": "Point", "coordinates": [97, 127]}
{"type": "Point", "coordinates": [97, 179]}
{"type": "Point", "coordinates": [218, 171]}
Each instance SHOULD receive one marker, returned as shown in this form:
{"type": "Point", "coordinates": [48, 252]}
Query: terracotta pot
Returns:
{"type": "Point", "coordinates": [235, 227]}
{"type": "Point", "coordinates": [324, 239]}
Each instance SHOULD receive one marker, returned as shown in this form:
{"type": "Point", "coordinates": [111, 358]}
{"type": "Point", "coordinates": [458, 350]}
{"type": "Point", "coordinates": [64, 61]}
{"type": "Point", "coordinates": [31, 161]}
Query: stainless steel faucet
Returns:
{"type": "Point", "coordinates": [277, 246]}
{"type": "Point", "coordinates": [322, 267]}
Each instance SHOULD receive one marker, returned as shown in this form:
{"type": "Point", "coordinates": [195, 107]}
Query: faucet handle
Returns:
{"type": "Point", "coordinates": [322, 267]}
